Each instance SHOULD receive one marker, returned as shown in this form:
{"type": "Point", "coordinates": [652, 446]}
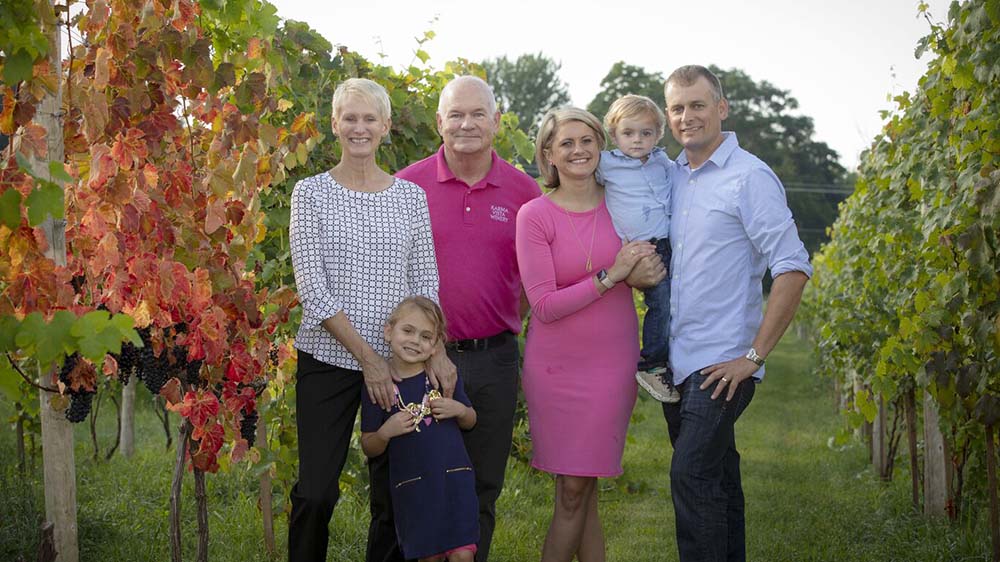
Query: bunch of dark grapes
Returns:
{"type": "Point", "coordinates": [193, 371]}
{"type": "Point", "coordinates": [80, 400]}
{"type": "Point", "coordinates": [79, 406]}
{"type": "Point", "coordinates": [154, 372]}
{"type": "Point", "coordinates": [248, 426]}
{"type": "Point", "coordinates": [128, 360]}
{"type": "Point", "coordinates": [272, 355]}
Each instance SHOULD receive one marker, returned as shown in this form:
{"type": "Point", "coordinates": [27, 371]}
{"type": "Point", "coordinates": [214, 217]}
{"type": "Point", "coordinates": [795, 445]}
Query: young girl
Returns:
{"type": "Point", "coordinates": [432, 484]}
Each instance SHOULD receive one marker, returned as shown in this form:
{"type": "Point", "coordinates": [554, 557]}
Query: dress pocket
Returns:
{"type": "Point", "coordinates": [463, 506]}
{"type": "Point", "coordinates": [408, 481]}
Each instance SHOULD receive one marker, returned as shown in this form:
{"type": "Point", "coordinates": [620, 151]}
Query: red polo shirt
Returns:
{"type": "Point", "coordinates": [473, 230]}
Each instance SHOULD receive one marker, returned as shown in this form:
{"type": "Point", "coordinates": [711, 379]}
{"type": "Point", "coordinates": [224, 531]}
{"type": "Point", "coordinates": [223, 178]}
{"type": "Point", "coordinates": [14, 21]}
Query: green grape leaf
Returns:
{"type": "Point", "coordinates": [17, 67]}
{"type": "Point", "coordinates": [91, 330]}
{"type": "Point", "coordinates": [8, 332]}
{"type": "Point", "coordinates": [32, 329]}
{"type": "Point", "coordinates": [10, 381]}
{"type": "Point", "coordinates": [44, 201]}
{"type": "Point", "coordinates": [10, 208]}
{"type": "Point", "coordinates": [57, 171]}
{"type": "Point", "coordinates": [125, 325]}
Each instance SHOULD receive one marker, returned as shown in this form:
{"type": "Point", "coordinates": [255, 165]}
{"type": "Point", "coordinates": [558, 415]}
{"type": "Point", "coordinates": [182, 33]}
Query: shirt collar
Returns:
{"type": "Point", "coordinates": [618, 152]}
{"type": "Point", "coordinates": [444, 173]}
{"type": "Point", "coordinates": [721, 154]}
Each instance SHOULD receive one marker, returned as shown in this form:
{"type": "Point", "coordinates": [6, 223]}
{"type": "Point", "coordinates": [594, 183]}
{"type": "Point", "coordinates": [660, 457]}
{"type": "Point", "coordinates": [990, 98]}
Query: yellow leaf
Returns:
{"type": "Point", "coordinates": [101, 68]}
{"type": "Point", "coordinates": [142, 315]}
{"type": "Point", "coordinates": [284, 105]}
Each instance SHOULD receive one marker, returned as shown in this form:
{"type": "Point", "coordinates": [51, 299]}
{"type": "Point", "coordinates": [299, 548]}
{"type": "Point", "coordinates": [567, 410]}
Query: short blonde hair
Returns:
{"type": "Point", "coordinates": [370, 91]}
{"type": "Point", "coordinates": [547, 131]}
{"type": "Point", "coordinates": [430, 309]}
{"type": "Point", "coordinates": [631, 106]}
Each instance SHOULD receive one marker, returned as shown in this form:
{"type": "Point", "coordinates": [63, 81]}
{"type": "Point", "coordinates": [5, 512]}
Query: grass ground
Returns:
{"type": "Point", "coordinates": [805, 500]}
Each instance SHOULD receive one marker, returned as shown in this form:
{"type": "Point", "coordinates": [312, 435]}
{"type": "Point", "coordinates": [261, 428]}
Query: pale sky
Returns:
{"type": "Point", "coordinates": [839, 59]}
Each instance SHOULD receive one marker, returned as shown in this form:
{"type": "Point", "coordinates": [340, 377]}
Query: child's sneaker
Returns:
{"type": "Point", "coordinates": [656, 381]}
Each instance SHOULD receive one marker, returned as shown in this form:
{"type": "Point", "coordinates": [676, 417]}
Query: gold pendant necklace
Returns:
{"type": "Point", "coordinates": [593, 233]}
{"type": "Point", "coordinates": [423, 409]}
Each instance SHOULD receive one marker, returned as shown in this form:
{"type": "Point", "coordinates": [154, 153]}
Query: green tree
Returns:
{"type": "Point", "coordinates": [527, 87]}
{"type": "Point", "coordinates": [626, 79]}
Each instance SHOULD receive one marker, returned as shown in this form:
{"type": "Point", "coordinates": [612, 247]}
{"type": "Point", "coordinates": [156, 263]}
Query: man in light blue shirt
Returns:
{"type": "Point", "coordinates": [730, 223]}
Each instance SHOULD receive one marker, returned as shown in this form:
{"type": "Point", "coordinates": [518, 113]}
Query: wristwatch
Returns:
{"type": "Point", "coordinates": [602, 277]}
{"type": "Point", "coordinates": [753, 356]}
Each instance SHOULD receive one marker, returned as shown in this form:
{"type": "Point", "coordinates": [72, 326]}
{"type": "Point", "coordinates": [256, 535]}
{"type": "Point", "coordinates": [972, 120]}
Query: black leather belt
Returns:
{"type": "Point", "coordinates": [479, 344]}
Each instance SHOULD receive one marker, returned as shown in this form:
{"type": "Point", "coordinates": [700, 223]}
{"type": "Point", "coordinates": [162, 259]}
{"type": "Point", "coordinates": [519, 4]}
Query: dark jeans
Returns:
{"type": "Point", "coordinates": [326, 404]}
{"type": "Point", "coordinates": [705, 472]}
{"type": "Point", "coordinates": [656, 325]}
{"type": "Point", "coordinates": [490, 379]}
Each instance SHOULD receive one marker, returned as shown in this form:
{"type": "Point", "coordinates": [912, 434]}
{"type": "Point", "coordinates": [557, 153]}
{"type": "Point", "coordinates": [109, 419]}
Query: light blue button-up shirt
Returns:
{"type": "Point", "coordinates": [637, 193]}
{"type": "Point", "coordinates": [731, 223]}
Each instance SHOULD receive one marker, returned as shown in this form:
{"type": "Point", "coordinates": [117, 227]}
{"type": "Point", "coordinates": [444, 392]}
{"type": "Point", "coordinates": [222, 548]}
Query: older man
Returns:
{"type": "Point", "coordinates": [731, 222]}
{"type": "Point", "coordinates": [473, 197]}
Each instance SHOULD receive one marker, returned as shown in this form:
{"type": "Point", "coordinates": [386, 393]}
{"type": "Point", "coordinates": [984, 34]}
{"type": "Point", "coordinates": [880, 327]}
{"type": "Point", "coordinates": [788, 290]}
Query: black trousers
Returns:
{"type": "Point", "coordinates": [490, 379]}
{"type": "Point", "coordinates": [326, 403]}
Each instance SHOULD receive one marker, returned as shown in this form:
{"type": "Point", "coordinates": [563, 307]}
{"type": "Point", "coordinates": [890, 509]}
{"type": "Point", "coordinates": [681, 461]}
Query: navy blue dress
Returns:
{"type": "Point", "coordinates": [431, 481]}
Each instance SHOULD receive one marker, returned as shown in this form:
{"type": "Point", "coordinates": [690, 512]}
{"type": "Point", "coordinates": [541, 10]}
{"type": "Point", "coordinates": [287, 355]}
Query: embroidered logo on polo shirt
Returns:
{"type": "Point", "coordinates": [499, 213]}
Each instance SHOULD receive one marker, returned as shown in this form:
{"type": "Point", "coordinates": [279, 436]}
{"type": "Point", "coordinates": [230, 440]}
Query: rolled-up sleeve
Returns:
{"type": "Point", "coordinates": [310, 242]}
{"type": "Point", "coordinates": [422, 268]}
{"type": "Point", "coordinates": [768, 221]}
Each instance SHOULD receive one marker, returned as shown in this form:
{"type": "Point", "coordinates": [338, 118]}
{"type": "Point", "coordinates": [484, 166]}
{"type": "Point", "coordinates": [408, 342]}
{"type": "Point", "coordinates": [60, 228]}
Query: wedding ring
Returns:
{"type": "Point", "coordinates": [724, 379]}
{"type": "Point", "coordinates": [632, 252]}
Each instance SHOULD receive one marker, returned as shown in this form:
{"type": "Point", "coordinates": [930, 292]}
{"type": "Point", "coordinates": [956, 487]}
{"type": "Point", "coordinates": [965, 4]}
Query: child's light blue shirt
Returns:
{"type": "Point", "coordinates": [637, 193]}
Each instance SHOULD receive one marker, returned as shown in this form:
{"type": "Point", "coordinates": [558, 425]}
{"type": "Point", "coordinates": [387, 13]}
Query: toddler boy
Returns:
{"type": "Point", "coordinates": [637, 185]}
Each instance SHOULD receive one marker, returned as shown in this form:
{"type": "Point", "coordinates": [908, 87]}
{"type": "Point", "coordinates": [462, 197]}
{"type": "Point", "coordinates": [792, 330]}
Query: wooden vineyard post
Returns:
{"type": "Point", "coordinates": [57, 433]}
{"type": "Point", "coordinates": [128, 417]}
{"type": "Point", "coordinates": [266, 509]}
{"type": "Point", "coordinates": [936, 466]}
{"type": "Point", "coordinates": [175, 492]}
{"type": "Point", "coordinates": [991, 479]}
{"type": "Point", "coordinates": [911, 439]}
{"type": "Point", "coordinates": [879, 448]}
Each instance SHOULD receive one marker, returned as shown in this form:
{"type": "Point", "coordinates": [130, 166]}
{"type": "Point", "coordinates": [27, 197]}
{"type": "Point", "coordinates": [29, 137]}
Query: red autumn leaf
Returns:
{"type": "Point", "coordinates": [211, 436]}
{"type": "Point", "coordinates": [7, 113]}
{"type": "Point", "coordinates": [101, 68]}
{"type": "Point", "coordinates": [102, 166]}
{"type": "Point", "coordinates": [198, 407]}
{"type": "Point", "coordinates": [107, 255]}
{"type": "Point", "coordinates": [33, 140]}
{"type": "Point", "coordinates": [215, 216]}
{"type": "Point", "coordinates": [240, 448]}
{"type": "Point", "coordinates": [236, 398]}
{"type": "Point", "coordinates": [95, 115]}
{"type": "Point", "coordinates": [129, 148]}
{"type": "Point", "coordinates": [235, 211]}
{"type": "Point", "coordinates": [110, 366]}
{"type": "Point", "coordinates": [171, 391]}
{"type": "Point", "coordinates": [97, 18]}
{"type": "Point", "coordinates": [254, 48]}
{"type": "Point", "coordinates": [150, 177]}
{"type": "Point", "coordinates": [83, 376]}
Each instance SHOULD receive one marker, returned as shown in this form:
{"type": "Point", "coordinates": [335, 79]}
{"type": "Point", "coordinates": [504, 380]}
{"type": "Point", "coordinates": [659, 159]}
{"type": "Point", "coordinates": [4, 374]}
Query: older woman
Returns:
{"type": "Point", "coordinates": [361, 242]}
{"type": "Point", "coordinates": [582, 342]}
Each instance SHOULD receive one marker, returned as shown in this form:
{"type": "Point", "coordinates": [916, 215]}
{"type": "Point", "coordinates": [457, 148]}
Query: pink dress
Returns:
{"type": "Point", "coordinates": [581, 348]}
